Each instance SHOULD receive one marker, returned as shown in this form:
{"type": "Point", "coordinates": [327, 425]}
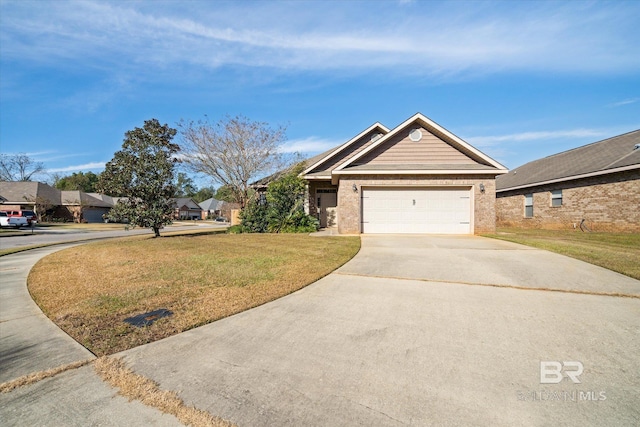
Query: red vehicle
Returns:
{"type": "Point", "coordinates": [30, 216]}
{"type": "Point", "coordinates": [12, 221]}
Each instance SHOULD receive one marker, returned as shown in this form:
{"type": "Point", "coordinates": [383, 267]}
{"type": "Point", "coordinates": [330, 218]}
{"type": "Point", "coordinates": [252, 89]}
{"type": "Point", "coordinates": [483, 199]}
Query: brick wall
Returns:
{"type": "Point", "coordinates": [349, 209]}
{"type": "Point", "coordinates": [607, 203]}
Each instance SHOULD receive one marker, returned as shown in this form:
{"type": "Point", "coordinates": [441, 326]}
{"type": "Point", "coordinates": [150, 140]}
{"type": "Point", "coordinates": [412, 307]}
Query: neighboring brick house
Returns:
{"type": "Point", "coordinates": [415, 178]}
{"type": "Point", "coordinates": [187, 208]}
{"type": "Point", "coordinates": [596, 186]}
{"type": "Point", "coordinates": [49, 203]}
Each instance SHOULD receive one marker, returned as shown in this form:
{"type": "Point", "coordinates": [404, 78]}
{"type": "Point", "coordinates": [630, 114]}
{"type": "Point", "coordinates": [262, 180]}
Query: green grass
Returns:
{"type": "Point", "coordinates": [89, 290]}
{"type": "Point", "coordinates": [619, 252]}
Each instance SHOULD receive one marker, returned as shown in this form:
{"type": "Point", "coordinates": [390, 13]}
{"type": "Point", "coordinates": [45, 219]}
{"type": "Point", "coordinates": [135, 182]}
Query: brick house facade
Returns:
{"type": "Point", "coordinates": [597, 185]}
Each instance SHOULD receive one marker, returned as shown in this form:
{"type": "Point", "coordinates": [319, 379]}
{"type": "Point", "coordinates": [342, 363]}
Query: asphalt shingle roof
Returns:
{"type": "Point", "coordinates": [609, 154]}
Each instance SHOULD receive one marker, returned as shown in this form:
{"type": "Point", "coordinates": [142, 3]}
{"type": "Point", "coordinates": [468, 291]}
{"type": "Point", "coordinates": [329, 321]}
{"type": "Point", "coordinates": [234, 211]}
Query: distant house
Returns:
{"type": "Point", "coordinates": [51, 204]}
{"type": "Point", "coordinates": [594, 187]}
{"type": "Point", "coordinates": [41, 198]}
{"type": "Point", "coordinates": [211, 208]}
{"type": "Point", "coordinates": [86, 207]}
{"type": "Point", "coordinates": [187, 208]}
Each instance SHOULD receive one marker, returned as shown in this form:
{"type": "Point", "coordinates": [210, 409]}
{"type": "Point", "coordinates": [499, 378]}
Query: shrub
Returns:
{"type": "Point", "coordinates": [282, 208]}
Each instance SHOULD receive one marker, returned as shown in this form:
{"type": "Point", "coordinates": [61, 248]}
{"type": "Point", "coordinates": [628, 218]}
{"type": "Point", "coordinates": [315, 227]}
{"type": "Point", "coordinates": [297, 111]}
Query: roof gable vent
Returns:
{"type": "Point", "coordinates": [376, 136]}
{"type": "Point", "coordinates": [415, 135]}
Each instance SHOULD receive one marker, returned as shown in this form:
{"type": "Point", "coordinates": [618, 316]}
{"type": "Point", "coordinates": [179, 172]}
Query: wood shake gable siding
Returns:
{"type": "Point", "coordinates": [400, 149]}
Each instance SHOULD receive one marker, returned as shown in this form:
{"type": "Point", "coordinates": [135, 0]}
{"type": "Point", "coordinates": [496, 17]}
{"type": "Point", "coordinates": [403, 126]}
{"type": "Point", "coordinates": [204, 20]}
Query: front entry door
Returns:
{"type": "Point", "coordinates": [327, 202]}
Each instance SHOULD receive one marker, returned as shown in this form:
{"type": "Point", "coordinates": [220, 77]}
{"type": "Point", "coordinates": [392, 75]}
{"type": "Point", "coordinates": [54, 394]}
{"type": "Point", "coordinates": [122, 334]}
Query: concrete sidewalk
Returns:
{"type": "Point", "coordinates": [30, 343]}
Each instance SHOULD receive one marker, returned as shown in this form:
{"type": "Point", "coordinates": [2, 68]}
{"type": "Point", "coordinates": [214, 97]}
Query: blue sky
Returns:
{"type": "Point", "coordinates": [518, 80]}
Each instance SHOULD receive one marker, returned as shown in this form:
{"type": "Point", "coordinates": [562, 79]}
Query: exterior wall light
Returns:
{"type": "Point", "coordinates": [482, 188]}
{"type": "Point", "coordinates": [354, 188]}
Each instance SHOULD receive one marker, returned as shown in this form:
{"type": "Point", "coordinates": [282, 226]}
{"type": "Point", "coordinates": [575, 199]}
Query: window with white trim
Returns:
{"type": "Point", "coordinates": [556, 198]}
{"type": "Point", "coordinates": [528, 205]}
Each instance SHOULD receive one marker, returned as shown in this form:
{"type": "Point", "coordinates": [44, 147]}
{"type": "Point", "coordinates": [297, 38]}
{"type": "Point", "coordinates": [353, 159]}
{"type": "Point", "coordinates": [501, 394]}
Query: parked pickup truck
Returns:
{"type": "Point", "coordinates": [12, 221]}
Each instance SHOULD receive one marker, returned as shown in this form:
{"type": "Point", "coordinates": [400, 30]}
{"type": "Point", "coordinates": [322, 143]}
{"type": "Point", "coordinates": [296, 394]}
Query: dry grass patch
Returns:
{"type": "Point", "coordinates": [89, 290]}
{"type": "Point", "coordinates": [619, 252]}
{"type": "Point", "coordinates": [136, 387]}
{"type": "Point", "coordinates": [39, 376]}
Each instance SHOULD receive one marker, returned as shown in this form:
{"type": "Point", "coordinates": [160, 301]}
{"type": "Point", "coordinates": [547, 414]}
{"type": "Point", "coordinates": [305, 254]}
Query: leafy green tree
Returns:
{"type": "Point", "coordinates": [143, 174]}
{"type": "Point", "coordinates": [204, 193]}
{"type": "Point", "coordinates": [225, 194]}
{"type": "Point", "coordinates": [185, 186]}
{"type": "Point", "coordinates": [78, 181]}
{"type": "Point", "coordinates": [282, 208]}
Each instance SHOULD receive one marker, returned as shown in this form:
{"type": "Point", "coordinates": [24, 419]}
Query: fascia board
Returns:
{"type": "Point", "coordinates": [345, 145]}
{"type": "Point", "coordinates": [422, 172]}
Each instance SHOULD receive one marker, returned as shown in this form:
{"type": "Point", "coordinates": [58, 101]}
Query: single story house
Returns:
{"type": "Point", "coordinates": [187, 208]}
{"type": "Point", "coordinates": [86, 207]}
{"type": "Point", "coordinates": [213, 208]}
{"type": "Point", "coordinates": [415, 178]}
{"type": "Point", "coordinates": [594, 187]}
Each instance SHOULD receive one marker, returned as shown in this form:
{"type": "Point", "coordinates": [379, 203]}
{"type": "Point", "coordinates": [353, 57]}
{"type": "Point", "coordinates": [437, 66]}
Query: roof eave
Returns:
{"type": "Point", "coordinates": [423, 172]}
{"type": "Point", "coordinates": [345, 145]}
{"type": "Point", "coordinates": [570, 178]}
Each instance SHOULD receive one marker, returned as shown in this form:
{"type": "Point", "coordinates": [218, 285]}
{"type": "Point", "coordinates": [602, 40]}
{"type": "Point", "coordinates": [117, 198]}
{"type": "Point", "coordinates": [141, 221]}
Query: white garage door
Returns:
{"type": "Point", "coordinates": [416, 210]}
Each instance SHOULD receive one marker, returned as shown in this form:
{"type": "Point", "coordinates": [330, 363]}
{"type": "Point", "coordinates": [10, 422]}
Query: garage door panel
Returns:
{"type": "Point", "coordinates": [416, 210]}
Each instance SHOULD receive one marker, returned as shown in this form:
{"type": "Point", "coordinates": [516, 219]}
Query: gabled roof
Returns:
{"type": "Point", "coordinates": [188, 202]}
{"type": "Point", "coordinates": [325, 157]}
{"type": "Point", "coordinates": [611, 155]}
{"type": "Point", "coordinates": [76, 197]}
{"type": "Point", "coordinates": [485, 163]}
{"type": "Point", "coordinates": [211, 205]}
{"type": "Point", "coordinates": [21, 192]}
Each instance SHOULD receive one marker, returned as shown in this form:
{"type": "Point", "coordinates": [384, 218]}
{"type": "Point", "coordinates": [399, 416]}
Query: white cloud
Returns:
{"type": "Point", "coordinates": [310, 145]}
{"type": "Point", "coordinates": [488, 141]}
{"type": "Point", "coordinates": [624, 102]}
{"type": "Point", "coordinates": [92, 166]}
{"type": "Point", "coordinates": [470, 38]}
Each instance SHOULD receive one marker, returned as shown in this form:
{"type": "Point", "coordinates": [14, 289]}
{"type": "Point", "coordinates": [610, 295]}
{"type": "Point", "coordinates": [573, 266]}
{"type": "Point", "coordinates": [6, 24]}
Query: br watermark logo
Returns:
{"type": "Point", "coordinates": [561, 372]}
{"type": "Point", "coordinates": [551, 372]}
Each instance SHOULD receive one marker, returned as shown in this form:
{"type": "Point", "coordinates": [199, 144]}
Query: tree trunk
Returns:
{"type": "Point", "coordinates": [156, 231]}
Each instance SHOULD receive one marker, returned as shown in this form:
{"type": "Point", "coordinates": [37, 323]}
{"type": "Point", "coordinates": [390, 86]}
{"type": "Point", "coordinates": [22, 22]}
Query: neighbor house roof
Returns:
{"type": "Point", "coordinates": [21, 192]}
{"type": "Point", "coordinates": [187, 202]}
{"type": "Point", "coordinates": [211, 205]}
{"type": "Point", "coordinates": [611, 155]}
{"type": "Point", "coordinates": [75, 197]}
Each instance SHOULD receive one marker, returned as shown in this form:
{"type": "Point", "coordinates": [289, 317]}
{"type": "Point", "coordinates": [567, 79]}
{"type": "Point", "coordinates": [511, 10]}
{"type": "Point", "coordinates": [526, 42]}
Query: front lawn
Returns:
{"type": "Point", "coordinates": [89, 290]}
{"type": "Point", "coordinates": [616, 251]}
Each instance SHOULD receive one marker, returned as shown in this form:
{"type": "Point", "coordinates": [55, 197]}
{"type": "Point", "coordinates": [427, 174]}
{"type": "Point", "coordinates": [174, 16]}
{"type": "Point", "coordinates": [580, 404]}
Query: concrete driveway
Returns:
{"type": "Point", "coordinates": [420, 331]}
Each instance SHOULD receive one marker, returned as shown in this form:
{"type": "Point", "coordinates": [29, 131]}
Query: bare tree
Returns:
{"type": "Point", "coordinates": [233, 151]}
{"type": "Point", "coordinates": [19, 167]}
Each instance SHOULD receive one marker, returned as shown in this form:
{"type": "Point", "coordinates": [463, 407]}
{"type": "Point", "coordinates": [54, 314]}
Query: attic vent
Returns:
{"type": "Point", "coordinates": [637, 146]}
{"type": "Point", "coordinates": [376, 136]}
{"type": "Point", "coordinates": [415, 135]}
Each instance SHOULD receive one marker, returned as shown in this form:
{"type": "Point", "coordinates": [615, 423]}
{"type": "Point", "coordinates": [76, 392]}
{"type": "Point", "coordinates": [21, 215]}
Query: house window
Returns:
{"type": "Point", "coordinates": [528, 205]}
{"type": "Point", "coordinates": [556, 198]}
